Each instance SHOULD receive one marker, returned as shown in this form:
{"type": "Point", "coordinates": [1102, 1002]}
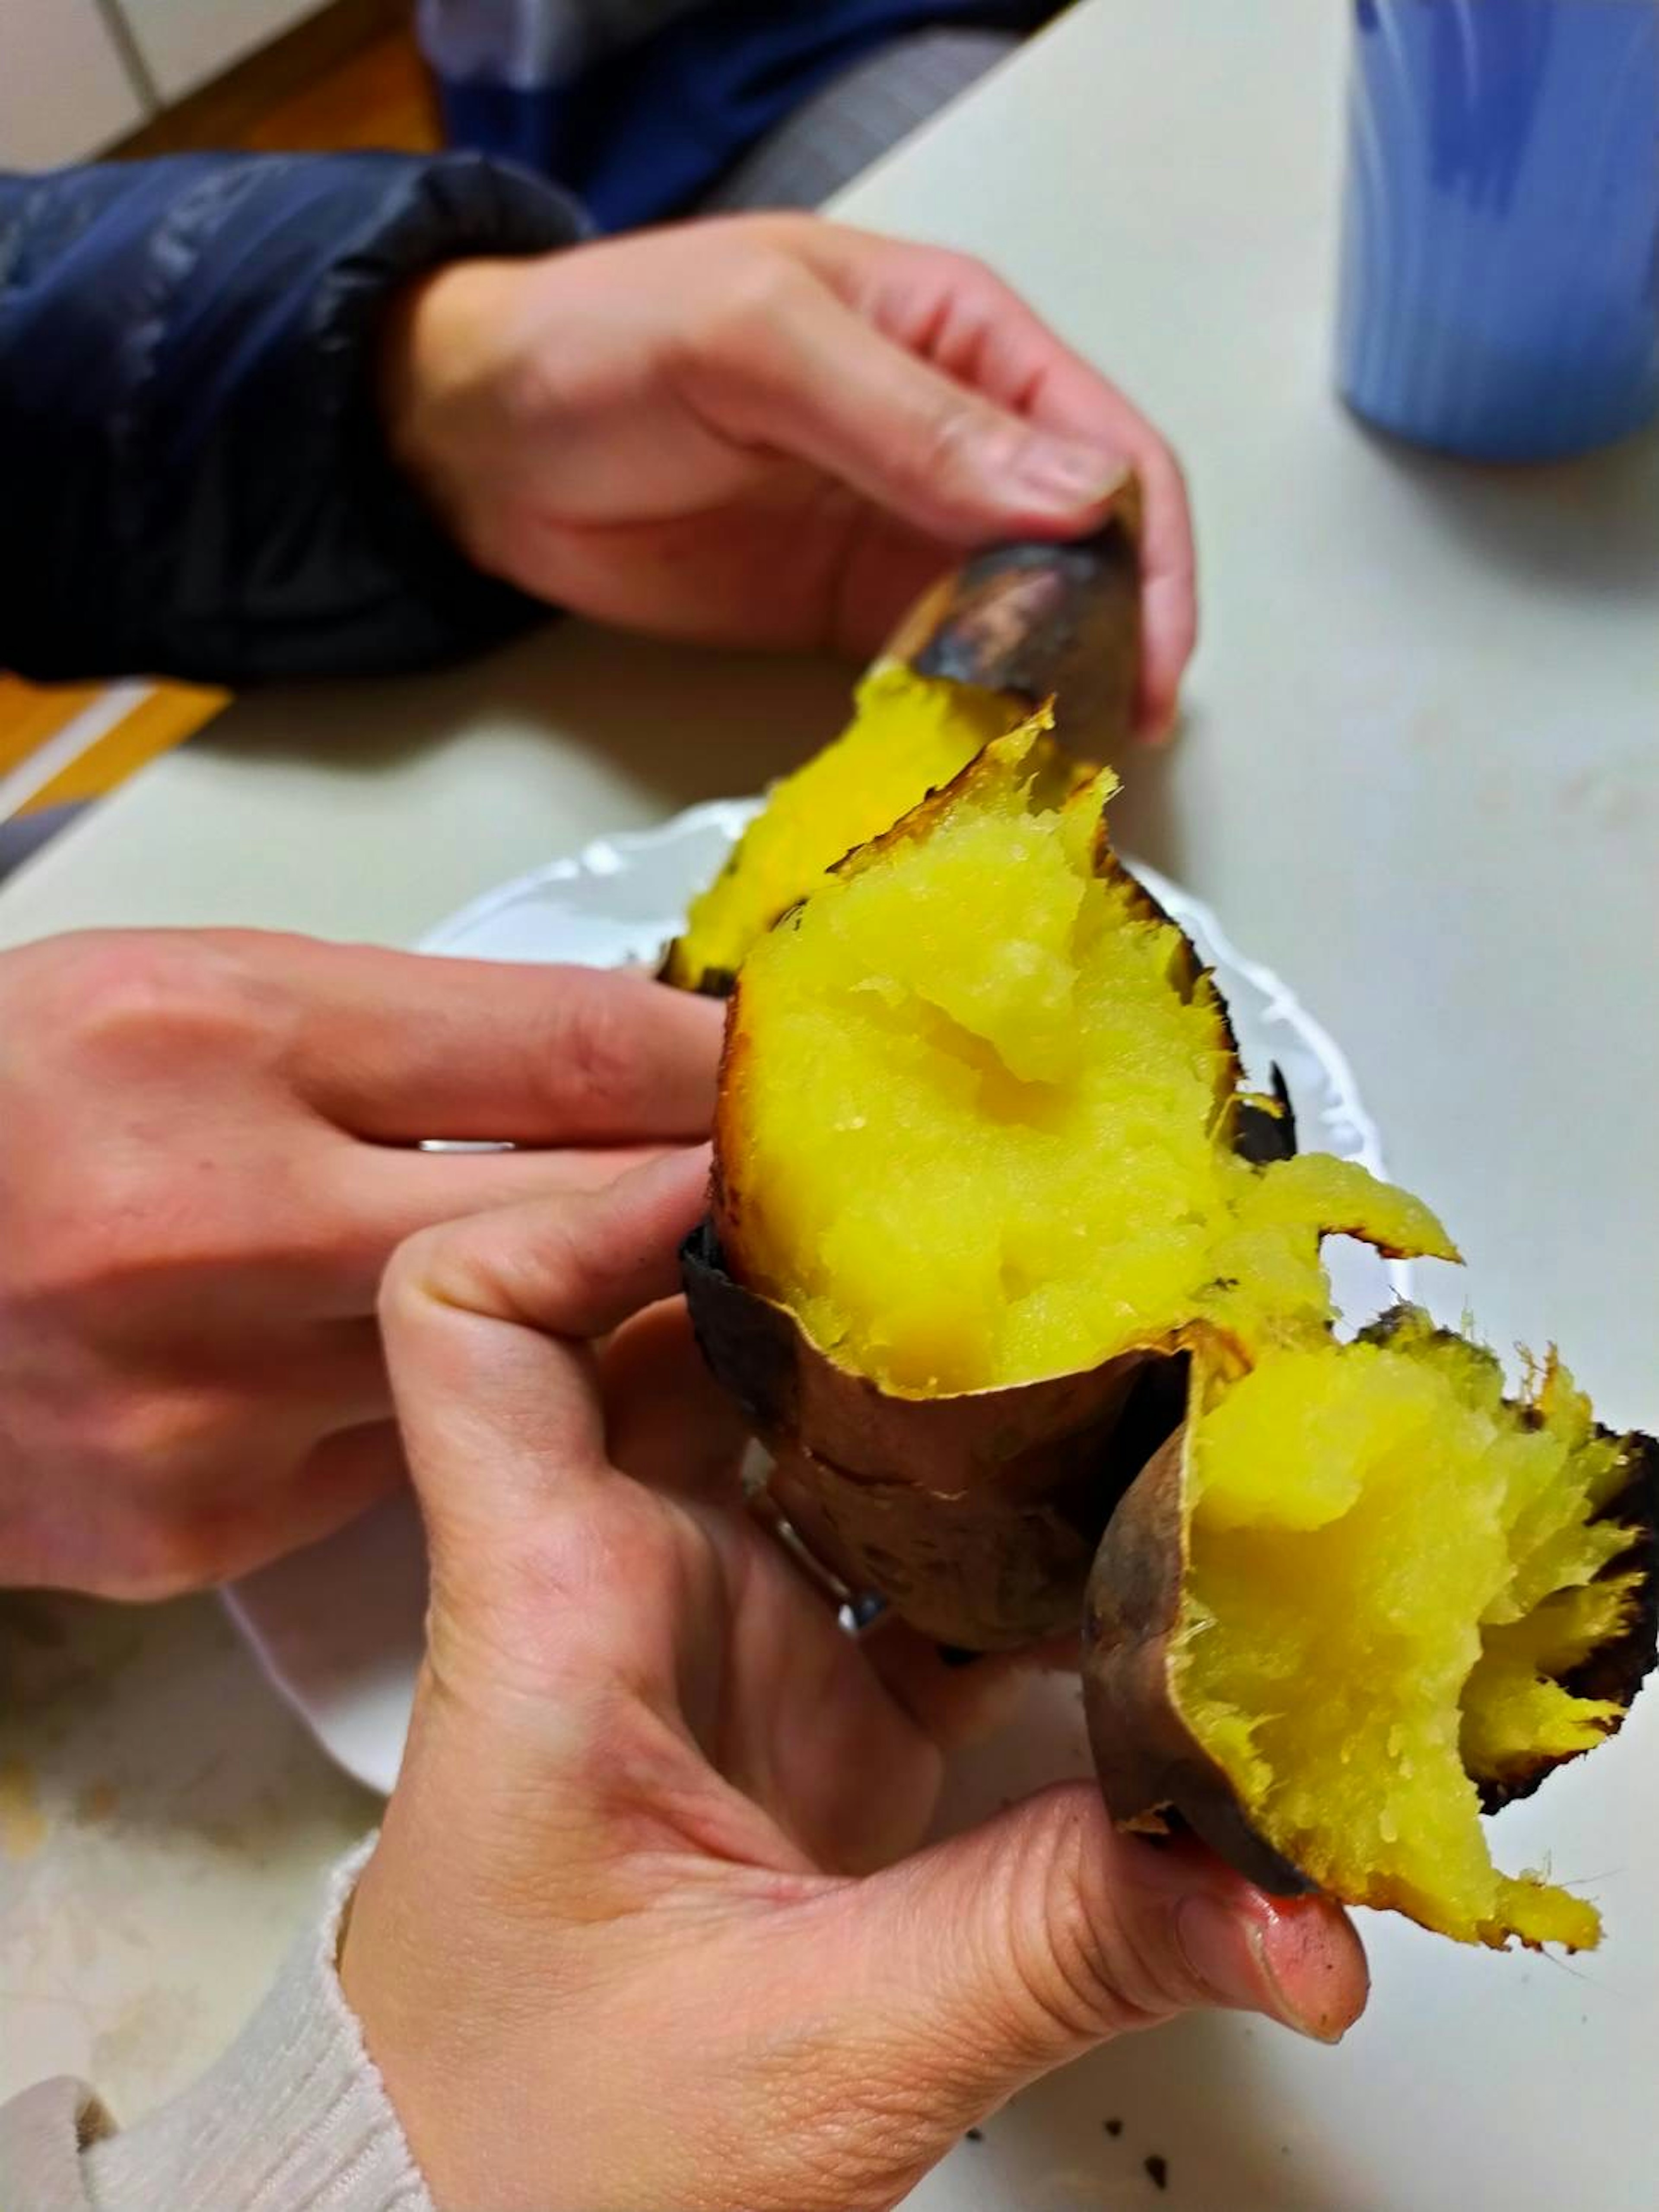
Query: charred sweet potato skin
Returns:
{"type": "Point", "coordinates": [1044, 621]}
{"type": "Point", "coordinates": [1616, 1670]}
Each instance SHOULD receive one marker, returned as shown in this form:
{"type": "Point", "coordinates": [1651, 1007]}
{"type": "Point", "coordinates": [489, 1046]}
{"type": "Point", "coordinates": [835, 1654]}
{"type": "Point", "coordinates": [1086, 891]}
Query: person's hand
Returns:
{"type": "Point", "coordinates": [640, 1929]}
{"type": "Point", "coordinates": [765, 430]}
{"type": "Point", "coordinates": [207, 1153]}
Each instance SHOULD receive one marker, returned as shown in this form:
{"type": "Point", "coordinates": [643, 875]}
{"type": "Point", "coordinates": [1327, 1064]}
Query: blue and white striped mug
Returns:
{"type": "Point", "coordinates": [1500, 264]}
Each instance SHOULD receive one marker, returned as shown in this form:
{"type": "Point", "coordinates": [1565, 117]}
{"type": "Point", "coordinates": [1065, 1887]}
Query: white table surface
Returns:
{"type": "Point", "coordinates": [1420, 775]}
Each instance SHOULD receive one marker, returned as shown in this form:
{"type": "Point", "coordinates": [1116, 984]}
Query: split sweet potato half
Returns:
{"type": "Point", "coordinates": [979, 1177]}
{"type": "Point", "coordinates": [1362, 1597]}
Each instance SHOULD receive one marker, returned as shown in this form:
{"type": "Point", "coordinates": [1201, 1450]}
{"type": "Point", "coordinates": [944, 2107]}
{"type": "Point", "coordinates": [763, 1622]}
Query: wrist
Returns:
{"type": "Point", "coordinates": [438, 372]}
{"type": "Point", "coordinates": [406, 2025]}
{"type": "Point", "coordinates": [461, 2009]}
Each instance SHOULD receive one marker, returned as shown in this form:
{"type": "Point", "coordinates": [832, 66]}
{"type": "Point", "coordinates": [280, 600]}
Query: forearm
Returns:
{"type": "Point", "coordinates": [196, 482]}
{"type": "Point", "coordinates": [293, 2116]}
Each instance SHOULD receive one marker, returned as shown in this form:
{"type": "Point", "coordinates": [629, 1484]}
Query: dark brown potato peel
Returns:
{"type": "Point", "coordinates": [1616, 1670]}
{"type": "Point", "coordinates": [1150, 1764]}
{"type": "Point", "coordinates": [1042, 621]}
{"type": "Point", "coordinates": [975, 1516]}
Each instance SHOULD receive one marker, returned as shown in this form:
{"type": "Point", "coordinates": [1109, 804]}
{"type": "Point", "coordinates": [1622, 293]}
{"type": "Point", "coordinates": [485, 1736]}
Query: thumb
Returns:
{"type": "Point", "coordinates": [1004, 1952]}
{"type": "Point", "coordinates": [488, 1324]}
{"type": "Point", "coordinates": [818, 382]}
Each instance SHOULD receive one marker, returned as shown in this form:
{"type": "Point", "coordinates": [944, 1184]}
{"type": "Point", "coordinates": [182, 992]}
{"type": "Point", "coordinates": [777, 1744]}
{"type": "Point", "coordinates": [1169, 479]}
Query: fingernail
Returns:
{"type": "Point", "coordinates": [1228, 1956]}
{"type": "Point", "coordinates": [1067, 477]}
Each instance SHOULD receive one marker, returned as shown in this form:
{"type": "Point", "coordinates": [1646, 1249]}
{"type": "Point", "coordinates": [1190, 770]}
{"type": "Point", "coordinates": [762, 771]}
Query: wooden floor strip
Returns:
{"type": "Point", "coordinates": [29, 717]}
{"type": "Point", "coordinates": [127, 727]}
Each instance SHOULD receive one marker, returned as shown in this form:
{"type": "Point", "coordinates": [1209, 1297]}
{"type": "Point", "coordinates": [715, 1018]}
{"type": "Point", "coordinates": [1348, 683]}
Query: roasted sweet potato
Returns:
{"type": "Point", "coordinates": [1013, 627]}
{"type": "Point", "coordinates": [979, 1183]}
{"type": "Point", "coordinates": [1361, 1597]}
{"type": "Point", "coordinates": [992, 1212]}
{"type": "Point", "coordinates": [910, 733]}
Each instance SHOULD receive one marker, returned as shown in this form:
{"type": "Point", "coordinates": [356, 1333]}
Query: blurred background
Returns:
{"type": "Point", "coordinates": [647, 109]}
{"type": "Point", "coordinates": [81, 77]}
{"type": "Point", "coordinates": [84, 78]}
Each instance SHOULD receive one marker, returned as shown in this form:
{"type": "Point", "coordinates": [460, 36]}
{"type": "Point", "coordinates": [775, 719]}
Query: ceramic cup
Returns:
{"type": "Point", "coordinates": [1500, 266]}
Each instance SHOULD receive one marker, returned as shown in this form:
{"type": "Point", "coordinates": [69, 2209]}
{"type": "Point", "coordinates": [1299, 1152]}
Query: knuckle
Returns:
{"type": "Point", "coordinates": [1084, 1984]}
{"type": "Point", "coordinates": [530, 394]}
{"type": "Point", "coordinates": [119, 1205]}
{"type": "Point", "coordinates": [151, 997]}
{"type": "Point", "coordinates": [156, 1441]}
{"type": "Point", "coordinates": [70, 1239]}
{"type": "Point", "coordinates": [737, 330]}
{"type": "Point", "coordinates": [958, 447]}
{"type": "Point", "coordinates": [553, 1603]}
{"type": "Point", "coordinates": [406, 1280]}
{"type": "Point", "coordinates": [595, 1044]}
{"type": "Point", "coordinates": [143, 1505]}
{"type": "Point", "coordinates": [140, 1167]}
{"type": "Point", "coordinates": [945, 437]}
{"type": "Point", "coordinates": [126, 1226]}
{"type": "Point", "coordinates": [970, 271]}
{"type": "Point", "coordinates": [1088, 1971]}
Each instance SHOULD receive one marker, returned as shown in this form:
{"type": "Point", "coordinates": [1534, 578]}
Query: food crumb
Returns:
{"type": "Point", "coordinates": [1114, 2127]}
{"type": "Point", "coordinates": [1157, 2170]}
{"type": "Point", "coordinates": [975, 2135]}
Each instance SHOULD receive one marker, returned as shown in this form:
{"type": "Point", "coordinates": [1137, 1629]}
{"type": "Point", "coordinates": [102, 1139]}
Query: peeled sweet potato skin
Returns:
{"type": "Point", "coordinates": [1148, 1763]}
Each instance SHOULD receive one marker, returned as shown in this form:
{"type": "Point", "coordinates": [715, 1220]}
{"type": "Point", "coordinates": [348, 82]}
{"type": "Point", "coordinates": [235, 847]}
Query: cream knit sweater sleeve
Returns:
{"type": "Point", "coordinates": [292, 2118]}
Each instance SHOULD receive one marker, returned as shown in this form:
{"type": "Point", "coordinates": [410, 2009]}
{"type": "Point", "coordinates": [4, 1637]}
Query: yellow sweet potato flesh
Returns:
{"type": "Point", "coordinates": [975, 1126]}
{"type": "Point", "coordinates": [1388, 1569]}
{"type": "Point", "coordinates": [909, 735]}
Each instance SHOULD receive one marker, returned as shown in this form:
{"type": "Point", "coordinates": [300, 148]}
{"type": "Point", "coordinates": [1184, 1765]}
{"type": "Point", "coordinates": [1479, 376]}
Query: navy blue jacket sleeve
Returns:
{"type": "Point", "coordinates": [192, 479]}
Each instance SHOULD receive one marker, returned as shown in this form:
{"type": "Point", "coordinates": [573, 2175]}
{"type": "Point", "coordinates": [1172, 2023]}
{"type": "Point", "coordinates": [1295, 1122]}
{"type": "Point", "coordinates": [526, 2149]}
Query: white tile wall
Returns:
{"type": "Point", "coordinates": [185, 42]}
{"type": "Point", "coordinates": [64, 91]}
